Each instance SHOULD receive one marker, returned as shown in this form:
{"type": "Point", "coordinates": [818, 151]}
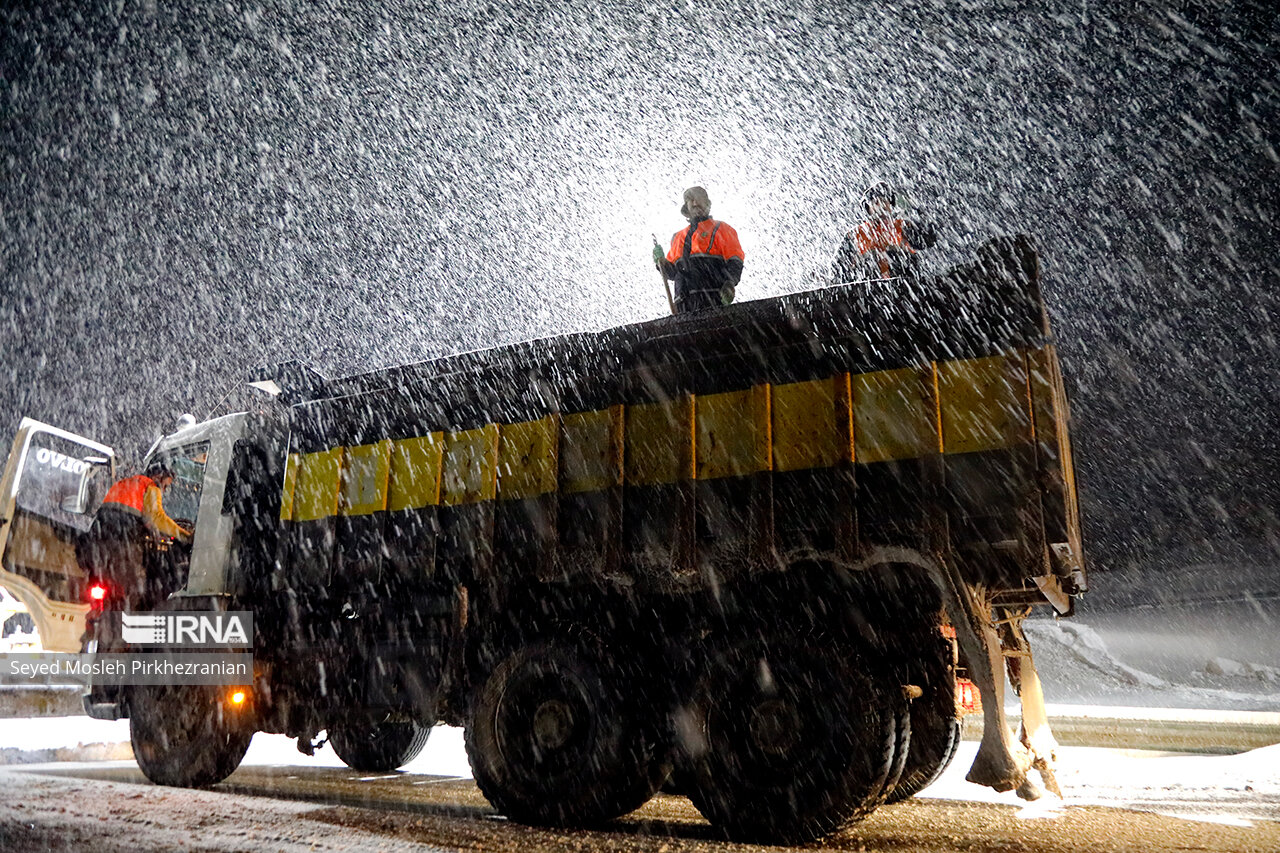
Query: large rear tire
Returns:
{"type": "Point", "coordinates": [800, 741]}
{"type": "Point", "coordinates": [555, 738]}
{"type": "Point", "coordinates": [377, 745]}
{"type": "Point", "coordinates": [934, 742]}
{"type": "Point", "coordinates": [935, 728]}
{"type": "Point", "coordinates": [186, 735]}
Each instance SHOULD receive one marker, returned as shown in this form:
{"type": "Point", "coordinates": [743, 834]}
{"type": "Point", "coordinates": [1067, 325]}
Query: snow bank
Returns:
{"type": "Point", "coordinates": [1227, 666]}
{"type": "Point", "coordinates": [1078, 668]}
{"type": "Point", "coordinates": [1086, 646]}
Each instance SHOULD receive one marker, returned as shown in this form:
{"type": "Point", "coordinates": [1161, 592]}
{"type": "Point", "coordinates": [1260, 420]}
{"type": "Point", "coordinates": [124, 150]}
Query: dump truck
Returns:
{"type": "Point", "coordinates": [751, 553]}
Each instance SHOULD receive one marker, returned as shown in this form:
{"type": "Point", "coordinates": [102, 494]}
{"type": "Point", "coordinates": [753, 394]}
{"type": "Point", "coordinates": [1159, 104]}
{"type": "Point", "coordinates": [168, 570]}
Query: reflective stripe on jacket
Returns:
{"type": "Point", "coordinates": [879, 236]}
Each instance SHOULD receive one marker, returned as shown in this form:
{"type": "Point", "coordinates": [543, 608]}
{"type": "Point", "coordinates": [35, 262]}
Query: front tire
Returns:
{"type": "Point", "coordinates": [556, 738]}
{"type": "Point", "coordinates": [377, 745]}
{"type": "Point", "coordinates": [186, 735]}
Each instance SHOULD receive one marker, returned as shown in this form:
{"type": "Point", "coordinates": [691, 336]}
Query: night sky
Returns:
{"type": "Point", "coordinates": [193, 189]}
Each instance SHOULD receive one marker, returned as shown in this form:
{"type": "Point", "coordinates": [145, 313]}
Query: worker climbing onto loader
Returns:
{"type": "Point", "coordinates": [131, 509]}
{"type": "Point", "coordinates": [705, 259]}
{"type": "Point", "coordinates": [885, 244]}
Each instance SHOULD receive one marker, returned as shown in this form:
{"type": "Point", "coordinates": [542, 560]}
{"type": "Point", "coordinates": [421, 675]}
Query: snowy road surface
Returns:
{"type": "Point", "coordinates": [1115, 801]}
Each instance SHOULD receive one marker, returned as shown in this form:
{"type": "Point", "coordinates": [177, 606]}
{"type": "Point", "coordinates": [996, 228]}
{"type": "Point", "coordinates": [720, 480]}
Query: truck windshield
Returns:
{"type": "Point", "coordinates": [182, 498]}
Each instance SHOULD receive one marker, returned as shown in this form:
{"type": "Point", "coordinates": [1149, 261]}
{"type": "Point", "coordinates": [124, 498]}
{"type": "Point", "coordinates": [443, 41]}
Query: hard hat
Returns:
{"type": "Point", "coordinates": [879, 191]}
{"type": "Point", "coordinates": [697, 196]}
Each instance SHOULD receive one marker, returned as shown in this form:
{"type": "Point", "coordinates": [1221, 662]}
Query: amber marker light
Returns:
{"type": "Point", "coordinates": [238, 697]}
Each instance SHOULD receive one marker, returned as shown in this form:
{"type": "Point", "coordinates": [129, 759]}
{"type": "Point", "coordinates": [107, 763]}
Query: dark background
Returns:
{"type": "Point", "coordinates": [191, 189]}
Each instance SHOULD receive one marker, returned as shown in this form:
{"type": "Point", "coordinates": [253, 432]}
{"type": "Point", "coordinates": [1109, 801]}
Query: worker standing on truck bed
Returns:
{"type": "Point", "coordinates": [131, 509]}
{"type": "Point", "coordinates": [705, 259]}
{"type": "Point", "coordinates": [885, 245]}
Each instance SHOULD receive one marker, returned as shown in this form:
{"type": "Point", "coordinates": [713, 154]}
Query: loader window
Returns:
{"type": "Point", "coordinates": [62, 481]}
{"type": "Point", "coordinates": [182, 498]}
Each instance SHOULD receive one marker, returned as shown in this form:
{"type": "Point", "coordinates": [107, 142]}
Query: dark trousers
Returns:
{"type": "Point", "coordinates": [114, 551]}
{"type": "Point", "coordinates": [696, 300]}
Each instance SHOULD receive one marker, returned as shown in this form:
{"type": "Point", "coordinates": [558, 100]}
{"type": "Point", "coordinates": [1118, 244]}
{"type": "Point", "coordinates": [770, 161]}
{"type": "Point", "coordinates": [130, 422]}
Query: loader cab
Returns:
{"type": "Point", "coordinates": [225, 477]}
{"type": "Point", "coordinates": [52, 485]}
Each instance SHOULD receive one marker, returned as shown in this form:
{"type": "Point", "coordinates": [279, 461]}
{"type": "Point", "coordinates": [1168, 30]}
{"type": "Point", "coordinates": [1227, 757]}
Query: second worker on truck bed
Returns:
{"type": "Point", "coordinates": [705, 259]}
{"type": "Point", "coordinates": [885, 244]}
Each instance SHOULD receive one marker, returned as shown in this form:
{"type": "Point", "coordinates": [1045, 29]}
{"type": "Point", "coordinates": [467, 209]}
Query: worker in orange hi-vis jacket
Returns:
{"type": "Point", "coordinates": [142, 497]}
{"type": "Point", "coordinates": [705, 258]}
{"type": "Point", "coordinates": [885, 244]}
{"type": "Point", "coordinates": [114, 550]}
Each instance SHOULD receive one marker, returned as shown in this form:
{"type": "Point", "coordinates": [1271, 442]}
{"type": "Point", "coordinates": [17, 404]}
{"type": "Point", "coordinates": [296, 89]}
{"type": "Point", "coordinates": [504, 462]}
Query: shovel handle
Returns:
{"type": "Point", "coordinates": [666, 285]}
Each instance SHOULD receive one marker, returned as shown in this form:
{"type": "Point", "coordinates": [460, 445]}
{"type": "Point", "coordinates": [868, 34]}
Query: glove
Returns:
{"type": "Point", "coordinates": [658, 256]}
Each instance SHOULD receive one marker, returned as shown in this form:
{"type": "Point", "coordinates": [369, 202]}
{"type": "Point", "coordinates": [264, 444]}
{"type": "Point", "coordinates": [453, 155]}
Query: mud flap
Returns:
{"type": "Point", "coordinates": [1033, 733]}
{"type": "Point", "coordinates": [1001, 762]}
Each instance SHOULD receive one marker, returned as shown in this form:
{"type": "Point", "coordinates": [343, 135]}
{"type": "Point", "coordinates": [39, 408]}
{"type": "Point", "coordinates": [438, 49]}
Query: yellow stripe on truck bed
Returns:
{"type": "Point", "coordinates": [958, 406]}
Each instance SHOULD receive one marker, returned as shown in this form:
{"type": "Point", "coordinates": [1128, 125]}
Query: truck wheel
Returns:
{"type": "Point", "coordinates": [377, 745]}
{"type": "Point", "coordinates": [185, 735]}
{"type": "Point", "coordinates": [556, 738]}
{"type": "Point", "coordinates": [935, 729]}
{"type": "Point", "coordinates": [934, 741]}
{"type": "Point", "coordinates": [799, 742]}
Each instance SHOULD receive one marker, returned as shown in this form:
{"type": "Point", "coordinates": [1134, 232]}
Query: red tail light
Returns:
{"type": "Point", "coordinates": [968, 699]}
{"type": "Point", "coordinates": [97, 594]}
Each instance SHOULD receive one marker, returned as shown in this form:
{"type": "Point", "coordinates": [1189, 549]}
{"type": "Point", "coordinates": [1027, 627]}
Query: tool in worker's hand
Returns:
{"type": "Point", "coordinates": [671, 303]}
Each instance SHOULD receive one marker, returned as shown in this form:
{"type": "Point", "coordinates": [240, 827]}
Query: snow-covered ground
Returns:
{"type": "Point", "coordinates": [1230, 789]}
{"type": "Point", "coordinates": [444, 755]}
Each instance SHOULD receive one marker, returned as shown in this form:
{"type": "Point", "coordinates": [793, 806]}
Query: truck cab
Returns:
{"type": "Point", "coordinates": [222, 480]}
{"type": "Point", "coordinates": [221, 487]}
{"type": "Point", "coordinates": [53, 485]}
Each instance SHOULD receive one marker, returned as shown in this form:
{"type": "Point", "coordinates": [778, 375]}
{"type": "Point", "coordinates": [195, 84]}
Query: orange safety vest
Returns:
{"type": "Point", "coordinates": [880, 236]}
{"type": "Point", "coordinates": [712, 240]}
{"type": "Point", "coordinates": [129, 493]}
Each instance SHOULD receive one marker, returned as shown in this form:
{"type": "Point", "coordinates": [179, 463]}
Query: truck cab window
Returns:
{"type": "Point", "coordinates": [182, 497]}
